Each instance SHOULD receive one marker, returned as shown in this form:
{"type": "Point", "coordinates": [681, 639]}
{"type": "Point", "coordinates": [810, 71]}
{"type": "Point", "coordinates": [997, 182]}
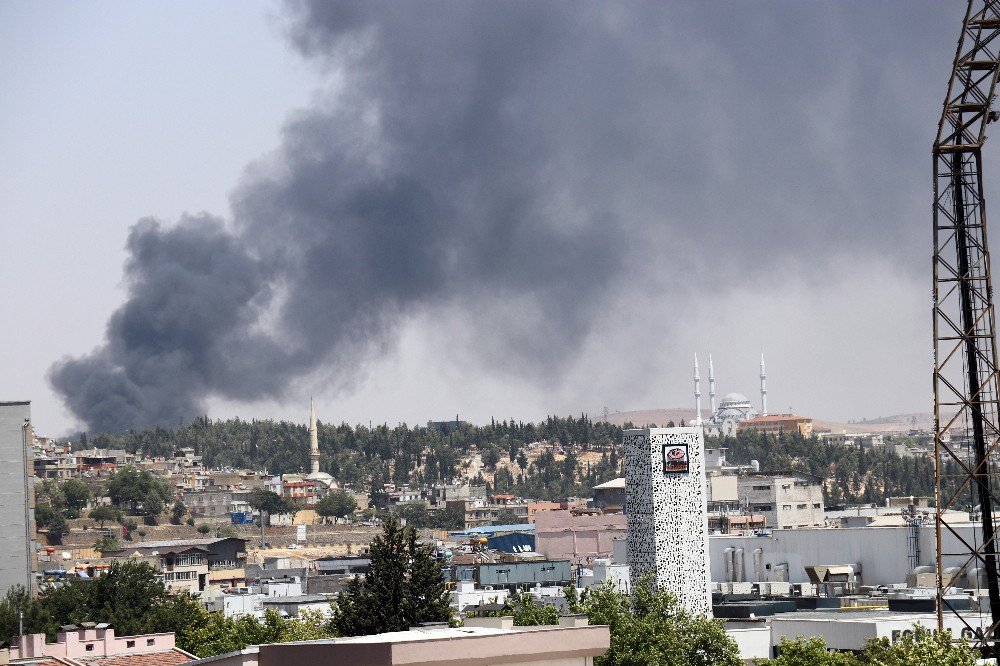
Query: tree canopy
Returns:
{"type": "Point", "coordinates": [917, 647]}
{"type": "Point", "coordinates": [404, 586]}
{"type": "Point", "coordinates": [338, 503]}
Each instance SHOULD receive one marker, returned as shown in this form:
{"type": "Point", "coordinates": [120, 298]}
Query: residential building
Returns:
{"type": "Point", "coordinates": [479, 513]}
{"type": "Point", "coordinates": [777, 424]}
{"type": "Point", "coordinates": [211, 502]}
{"type": "Point", "coordinates": [863, 441]}
{"type": "Point", "coordinates": [610, 495]}
{"type": "Point", "coordinates": [103, 460]}
{"type": "Point", "coordinates": [562, 535]}
{"type": "Point", "coordinates": [441, 493]}
{"type": "Point", "coordinates": [574, 643]}
{"type": "Point", "coordinates": [192, 565]}
{"type": "Point", "coordinates": [294, 487]}
{"type": "Point", "coordinates": [18, 548]}
{"type": "Point", "coordinates": [786, 500]}
{"type": "Point", "coordinates": [391, 496]}
{"type": "Point", "coordinates": [56, 466]}
{"type": "Point", "coordinates": [97, 645]}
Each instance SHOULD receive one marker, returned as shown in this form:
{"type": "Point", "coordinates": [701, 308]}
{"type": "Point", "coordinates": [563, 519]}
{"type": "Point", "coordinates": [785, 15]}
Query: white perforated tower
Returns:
{"type": "Point", "coordinates": [667, 512]}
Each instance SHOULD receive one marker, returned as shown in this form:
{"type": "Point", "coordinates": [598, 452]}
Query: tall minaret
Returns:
{"type": "Point", "coordinates": [711, 386]}
{"type": "Point", "coordinates": [697, 393]}
{"type": "Point", "coordinates": [313, 438]}
{"type": "Point", "coordinates": [763, 387]}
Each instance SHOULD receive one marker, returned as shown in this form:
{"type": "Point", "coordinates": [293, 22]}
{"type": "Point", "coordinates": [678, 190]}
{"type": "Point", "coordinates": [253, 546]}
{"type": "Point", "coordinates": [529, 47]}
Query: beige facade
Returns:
{"type": "Point", "coordinates": [776, 424]}
{"type": "Point", "coordinates": [462, 646]}
{"type": "Point", "coordinates": [786, 501]}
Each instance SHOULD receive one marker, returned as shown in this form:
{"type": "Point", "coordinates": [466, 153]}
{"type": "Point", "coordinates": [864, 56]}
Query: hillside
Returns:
{"type": "Point", "coordinates": [895, 423]}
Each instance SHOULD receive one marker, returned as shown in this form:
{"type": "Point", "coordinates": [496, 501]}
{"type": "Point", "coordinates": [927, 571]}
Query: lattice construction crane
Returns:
{"type": "Point", "coordinates": [966, 407]}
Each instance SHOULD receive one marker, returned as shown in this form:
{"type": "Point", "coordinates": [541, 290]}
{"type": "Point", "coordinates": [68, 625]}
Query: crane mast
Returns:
{"type": "Point", "coordinates": [966, 407]}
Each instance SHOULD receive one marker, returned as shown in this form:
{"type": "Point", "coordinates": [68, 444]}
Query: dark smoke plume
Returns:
{"type": "Point", "coordinates": [520, 160]}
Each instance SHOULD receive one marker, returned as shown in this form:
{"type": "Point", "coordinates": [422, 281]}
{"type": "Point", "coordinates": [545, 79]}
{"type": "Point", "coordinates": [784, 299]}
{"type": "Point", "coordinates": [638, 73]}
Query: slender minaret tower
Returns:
{"type": "Point", "coordinates": [697, 393]}
{"type": "Point", "coordinates": [763, 387]}
{"type": "Point", "coordinates": [711, 387]}
{"type": "Point", "coordinates": [313, 439]}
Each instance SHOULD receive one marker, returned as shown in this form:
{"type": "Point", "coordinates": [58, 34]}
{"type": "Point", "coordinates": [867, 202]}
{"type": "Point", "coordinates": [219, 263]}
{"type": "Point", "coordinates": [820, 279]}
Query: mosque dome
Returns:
{"type": "Point", "coordinates": [733, 407]}
{"type": "Point", "coordinates": [323, 478]}
{"type": "Point", "coordinates": [734, 398]}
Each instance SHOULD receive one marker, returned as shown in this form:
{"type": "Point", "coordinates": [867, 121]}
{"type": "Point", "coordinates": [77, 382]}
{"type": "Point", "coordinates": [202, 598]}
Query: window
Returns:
{"type": "Point", "coordinates": [801, 506]}
{"type": "Point", "coordinates": [89, 647]}
{"type": "Point", "coordinates": [816, 505]}
{"type": "Point", "coordinates": [786, 507]}
{"type": "Point", "coordinates": [130, 644]}
{"type": "Point", "coordinates": [761, 487]}
{"type": "Point", "coordinates": [762, 507]}
{"type": "Point", "coordinates": [150, 641]}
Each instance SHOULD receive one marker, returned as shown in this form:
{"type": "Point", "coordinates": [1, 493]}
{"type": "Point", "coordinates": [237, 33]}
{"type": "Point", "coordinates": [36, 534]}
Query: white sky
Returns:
{"type": "Point", "coordinates": [113, 111]}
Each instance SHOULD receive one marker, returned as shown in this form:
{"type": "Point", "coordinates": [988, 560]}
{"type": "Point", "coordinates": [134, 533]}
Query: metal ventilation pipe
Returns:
{"type": "Point", "coordinates": [758, 564]}
{"type": "Point", "coordinates": [738, 569]}
{"type": "Point", "coordinates": [727, 556]}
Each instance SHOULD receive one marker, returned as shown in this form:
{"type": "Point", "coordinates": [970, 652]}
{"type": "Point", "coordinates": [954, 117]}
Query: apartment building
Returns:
{"type": "Point", "coordinates": [786, 500]}
{"type": "Point", "coordinates": [192, 565]}
{"type": "Point", "coordinates": [777, 424]}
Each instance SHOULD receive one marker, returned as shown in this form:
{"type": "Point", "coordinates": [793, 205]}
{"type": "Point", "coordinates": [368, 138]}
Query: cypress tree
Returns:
{"type": "Point", "coordinates": [404, 586]}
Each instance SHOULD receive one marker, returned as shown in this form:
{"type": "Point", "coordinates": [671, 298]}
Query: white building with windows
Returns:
{"type": "Point", "coordinates": [786, 500]}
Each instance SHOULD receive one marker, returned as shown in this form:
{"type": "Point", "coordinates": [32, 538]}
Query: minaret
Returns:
{"type": "Point", "coordinates": [711, 386]}
{"type": "Point", "coordinates": [763, 387]}
{"type": "Point", "coordinates": [697, 393]}
{"type": "Point", "coordinates": [313, 439]}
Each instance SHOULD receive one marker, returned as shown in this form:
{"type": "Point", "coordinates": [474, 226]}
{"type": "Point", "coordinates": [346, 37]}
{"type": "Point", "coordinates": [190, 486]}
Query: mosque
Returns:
{"type": "Point", "coordinates": [324, 482]}
{"type": "Point", "coordinates": [733, 408]}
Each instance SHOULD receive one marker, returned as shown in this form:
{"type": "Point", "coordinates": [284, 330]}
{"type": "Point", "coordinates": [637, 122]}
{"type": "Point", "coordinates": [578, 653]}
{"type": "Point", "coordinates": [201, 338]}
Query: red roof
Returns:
{"type": "Point", "coordinates": [169, 658]}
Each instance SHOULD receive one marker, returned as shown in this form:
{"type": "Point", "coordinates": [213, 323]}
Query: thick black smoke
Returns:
{"type": "Point", "coordinates": [521, 160]}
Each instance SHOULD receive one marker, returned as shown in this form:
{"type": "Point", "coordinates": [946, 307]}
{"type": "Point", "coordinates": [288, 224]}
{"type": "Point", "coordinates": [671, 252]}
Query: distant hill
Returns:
{"type": "Point", "coordinates": [895, 423]}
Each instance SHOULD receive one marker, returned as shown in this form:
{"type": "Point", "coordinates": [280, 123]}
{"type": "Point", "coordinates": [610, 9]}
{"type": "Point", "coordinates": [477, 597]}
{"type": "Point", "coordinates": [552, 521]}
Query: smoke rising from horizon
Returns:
{"type": "Point", "coordinates": [526, 163]}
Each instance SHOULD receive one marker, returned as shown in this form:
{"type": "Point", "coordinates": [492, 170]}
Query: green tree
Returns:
{"type": "Point", "coordinates": [416, 514]}
{"type": "Point", "coordinates": [76, 494]}
{"type": "Point", "coordinates": [490, 457]}
{"type": "Point", "coordinates": [107, 544]}
{"type": "Point", "coordinates": [338, 503]}
{"type": "Point", "coordinates": [103, 514]}
{"type": "Point", "coordinates": [650, 627]}
{"type": "Point", "coordinates": [177, 512]}
{"type": "Point", "coordinates": [266, 501]}
{"type": "Point", "coordinates": [58, 528]}
{"type": "Point", "coordinates": [204, 528]}
{"type": "Point", "coordinates": [226, 532]}
{"type": "Point", "coordinates": [18, 604]}
{"type": "Point", "coordinates": [810, 651]}
{"type": "Point", "coordinates": [137, 491]}
{"type": "Point", "coordinates": [527, 612]}
{"type": "Point", "coordinates": [127, 597]}
{"type": "Point", "coordinates": [404, 585]}
{"type": "Point", "coordinates": [44, 515]}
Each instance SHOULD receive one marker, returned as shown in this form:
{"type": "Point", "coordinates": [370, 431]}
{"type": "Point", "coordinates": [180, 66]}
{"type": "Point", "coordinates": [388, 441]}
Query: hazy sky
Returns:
{"type": "Point", "coordinates": [413, 210]}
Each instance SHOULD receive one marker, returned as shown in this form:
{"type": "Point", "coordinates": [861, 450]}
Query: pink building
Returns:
{"type": "Point", "coordinates": [98, 646]}
{"type": "Point", "coordinates": [561, 535]}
